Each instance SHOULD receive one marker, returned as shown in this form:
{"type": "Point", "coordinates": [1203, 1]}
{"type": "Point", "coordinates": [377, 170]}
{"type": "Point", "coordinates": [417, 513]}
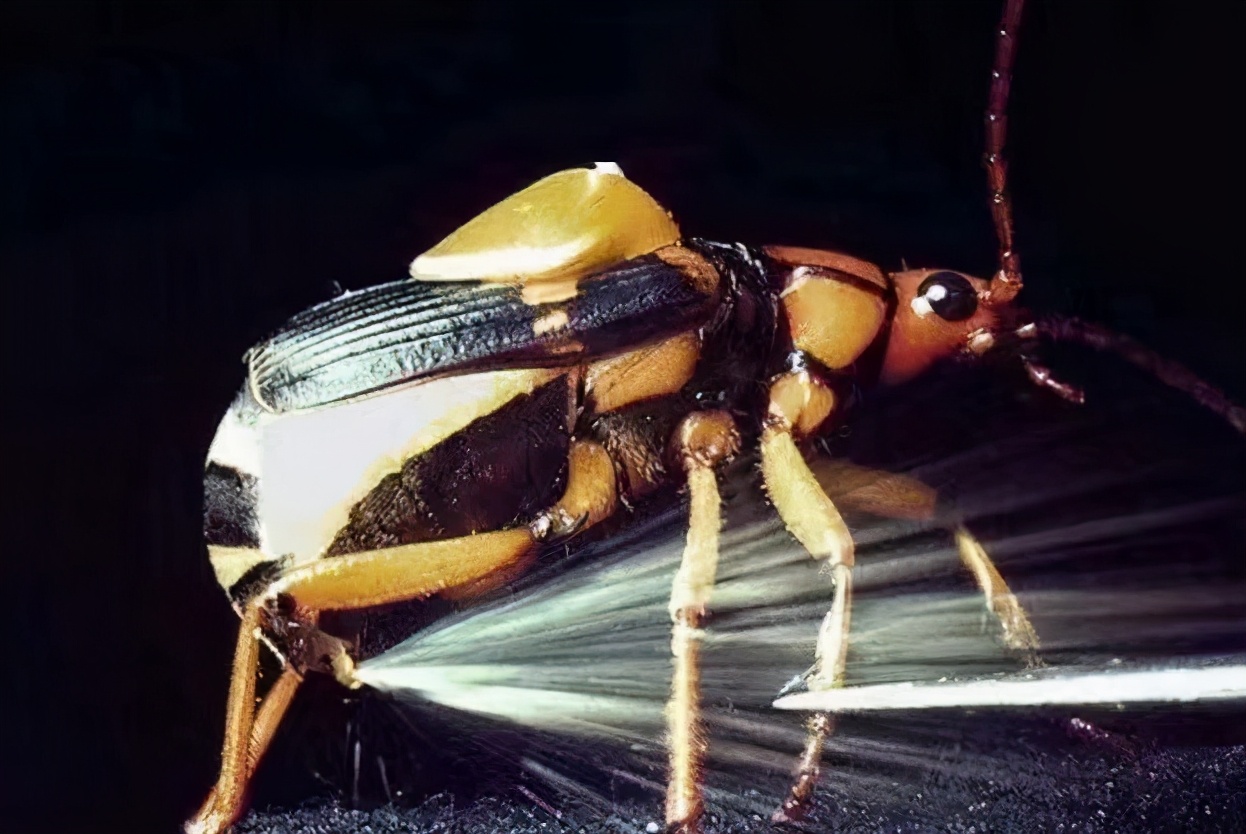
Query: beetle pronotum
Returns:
{"type": "Point", "coordinates": [562, 355]}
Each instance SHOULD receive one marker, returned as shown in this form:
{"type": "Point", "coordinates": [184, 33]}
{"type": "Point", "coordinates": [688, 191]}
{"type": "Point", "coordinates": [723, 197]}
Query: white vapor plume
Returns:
{"type": "Point", "coordinates": [584, 648]}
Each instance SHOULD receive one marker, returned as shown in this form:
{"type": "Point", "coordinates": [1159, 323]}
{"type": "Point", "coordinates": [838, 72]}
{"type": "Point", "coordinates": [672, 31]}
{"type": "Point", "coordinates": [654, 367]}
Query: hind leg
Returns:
{"type": "Point", "coordinates": [219, 805]}
{"type": "Point", "coordinates": [360, 580]}
{"type": "Point", "coordinates": [366, 579]}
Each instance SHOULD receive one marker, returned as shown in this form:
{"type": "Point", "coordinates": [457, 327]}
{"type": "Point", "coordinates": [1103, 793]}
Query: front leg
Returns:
{"type": "Point", "coordinates": [799, 404]}
{"type": "Point", "coordinates": [1019, 634]}
{"type": "Point", "coordinates": [900, 496]}
{"type": "Point", "coordinates": [813, 519]}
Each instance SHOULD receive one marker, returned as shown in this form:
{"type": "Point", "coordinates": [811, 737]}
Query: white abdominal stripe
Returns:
{"type": "Point", "coordinates": [311, 467]}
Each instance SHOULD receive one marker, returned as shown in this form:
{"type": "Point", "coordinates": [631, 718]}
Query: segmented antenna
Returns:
{"type": "Point", "coordinates": [1007, 282]}
{"type": "Point", "coordinates": [1174, 374]}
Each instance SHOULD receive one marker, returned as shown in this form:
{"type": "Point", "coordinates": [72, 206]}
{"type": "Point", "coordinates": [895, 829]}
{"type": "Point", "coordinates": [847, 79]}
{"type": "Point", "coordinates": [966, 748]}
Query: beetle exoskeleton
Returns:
{"type": "Point", "coordinates": [424, 436]}
{"type": "Point", "coordinates": [558, 358]}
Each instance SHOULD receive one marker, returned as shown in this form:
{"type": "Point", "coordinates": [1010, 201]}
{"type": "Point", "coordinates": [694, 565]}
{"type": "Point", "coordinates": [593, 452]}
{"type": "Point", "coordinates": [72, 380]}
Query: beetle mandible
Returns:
{"type": "Point", "coordinates": [563, 355]}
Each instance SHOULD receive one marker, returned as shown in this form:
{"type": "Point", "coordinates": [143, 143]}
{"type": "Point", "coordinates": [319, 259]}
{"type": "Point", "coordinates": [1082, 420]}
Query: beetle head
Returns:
{"type": "Point", "coordinates": [939, 314]}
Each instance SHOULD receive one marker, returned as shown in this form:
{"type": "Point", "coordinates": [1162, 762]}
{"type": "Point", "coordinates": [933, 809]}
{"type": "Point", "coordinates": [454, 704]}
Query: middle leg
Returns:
{"type": "Point", "coordinates": [811, 516]}
{"type": "Point", "coordinates": [704, 440]}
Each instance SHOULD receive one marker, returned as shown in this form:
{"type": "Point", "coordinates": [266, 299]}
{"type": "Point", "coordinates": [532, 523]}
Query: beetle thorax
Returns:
{"type": "Point", "coordinates": [835, 304]}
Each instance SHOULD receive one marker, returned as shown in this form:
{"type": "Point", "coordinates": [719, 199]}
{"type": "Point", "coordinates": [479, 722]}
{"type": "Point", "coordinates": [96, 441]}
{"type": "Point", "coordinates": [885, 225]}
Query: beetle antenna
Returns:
{"type": "Point", "coordinates": [1007, 282]}
{"type": "Point", "coordinates": [1174, 374]}
{"type": "Point", "coordinates": [1042, 376]}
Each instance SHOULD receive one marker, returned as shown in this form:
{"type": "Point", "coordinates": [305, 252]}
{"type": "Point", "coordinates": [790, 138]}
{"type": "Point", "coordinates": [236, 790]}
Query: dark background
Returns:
{"type": "Point", "coordinates": [178, 177]}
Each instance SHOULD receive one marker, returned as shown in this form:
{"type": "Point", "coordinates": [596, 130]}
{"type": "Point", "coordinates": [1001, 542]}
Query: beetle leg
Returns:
{"type": "Point", "coordinates": [410, 571]}
{"type": "Point", "coordinates": [221, 805]}
{"type": "Point", "coordinates": [379, 577]}
{"type": "Point", "coordinates": [876, 491]}
{"type": "Point", "coordinates": [830, 659]}
{"type": "Point", "coordinates": [269, 715]}
{"type": "Point", "coordinates": [899, 496]}
{"type": "Point", "coordinates": [705, 439]}
{"type": "Point", "coordinates": [394, 574]}
{"type": "Point", "coordinates": [798, 405]}
{"type": "Point", "coordinates": [225, 801]}
{"type": "Point", "coordinates": [591, 495]}
{"type": "Point", "coordinates": [812, 518]}
{"type": "Point", "coordinates": [1019, 634]}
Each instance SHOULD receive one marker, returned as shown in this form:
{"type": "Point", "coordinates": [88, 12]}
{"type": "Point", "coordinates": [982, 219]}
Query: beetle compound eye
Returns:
{"type": "Point", "coordinates": [949, 295]}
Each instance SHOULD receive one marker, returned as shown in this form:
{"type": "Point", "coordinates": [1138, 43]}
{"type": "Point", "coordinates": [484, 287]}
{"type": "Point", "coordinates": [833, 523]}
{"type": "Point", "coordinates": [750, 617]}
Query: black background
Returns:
{"type": "Point", "coordinates": [179, 177]}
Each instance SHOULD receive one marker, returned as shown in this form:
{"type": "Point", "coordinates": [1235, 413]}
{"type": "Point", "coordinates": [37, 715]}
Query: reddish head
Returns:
{"type": "Point", "coordinates": [939, 314]}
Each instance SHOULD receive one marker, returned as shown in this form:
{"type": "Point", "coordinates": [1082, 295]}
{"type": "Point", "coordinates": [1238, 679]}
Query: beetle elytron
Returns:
{"type": "Point", "coordinates": [565, 354]}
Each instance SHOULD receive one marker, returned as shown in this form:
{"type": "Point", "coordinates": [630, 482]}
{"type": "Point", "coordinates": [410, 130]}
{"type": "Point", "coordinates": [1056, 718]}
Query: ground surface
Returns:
{"type": "Point", "coordinates": [1159, 790]}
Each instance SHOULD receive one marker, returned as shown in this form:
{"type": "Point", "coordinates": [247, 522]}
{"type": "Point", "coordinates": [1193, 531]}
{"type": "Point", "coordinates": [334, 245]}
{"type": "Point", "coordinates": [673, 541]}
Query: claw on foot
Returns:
{"type": "Point", "coordinates": [796, 806]}
{"type": "Point", "coordinates": [209, 820]}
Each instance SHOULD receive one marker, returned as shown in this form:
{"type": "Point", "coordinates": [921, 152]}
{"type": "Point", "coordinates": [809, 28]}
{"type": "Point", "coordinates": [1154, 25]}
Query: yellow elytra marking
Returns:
{"type": "Point", "coordinates": [561, 228]}
{"type": "Point", "coordinates": [231, 563]}
{"type": "Point", "coordinates": [550, 322]}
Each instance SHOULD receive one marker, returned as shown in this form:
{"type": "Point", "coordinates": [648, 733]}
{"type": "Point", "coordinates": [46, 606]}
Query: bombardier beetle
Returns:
{"type": "Point", "coordinates": [549, 364]}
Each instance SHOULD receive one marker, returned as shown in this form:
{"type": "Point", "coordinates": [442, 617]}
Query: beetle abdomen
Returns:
{"type": "Point", "coordinates": [283, 485]}
{"type": "Point", "coordinates": [229, 506]}
{"type": "Point", "coordinates": [499, 471]}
